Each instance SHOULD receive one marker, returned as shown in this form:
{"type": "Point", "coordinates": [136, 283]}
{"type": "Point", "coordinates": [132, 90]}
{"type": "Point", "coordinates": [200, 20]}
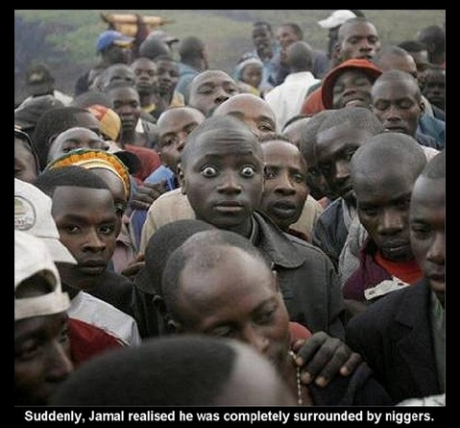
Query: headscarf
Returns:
{"type": "Point", "coordinates": [91, 158]}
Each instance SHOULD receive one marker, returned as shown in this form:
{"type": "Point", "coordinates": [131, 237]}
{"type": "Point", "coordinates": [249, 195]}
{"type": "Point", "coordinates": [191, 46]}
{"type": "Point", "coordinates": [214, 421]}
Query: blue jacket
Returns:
{"type": "Point", "coordinates": [138, 216]}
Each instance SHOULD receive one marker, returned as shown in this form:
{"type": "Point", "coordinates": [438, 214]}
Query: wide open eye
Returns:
{"type": "Point", "coordinates": [209, 171]}
{"type": "Point", "coordinates": [248, 171]}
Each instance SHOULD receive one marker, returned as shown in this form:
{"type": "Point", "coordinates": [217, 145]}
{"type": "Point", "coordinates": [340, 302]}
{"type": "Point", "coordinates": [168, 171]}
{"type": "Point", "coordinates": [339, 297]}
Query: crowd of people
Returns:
{"type": "Point", "coordinates": [272, 235]}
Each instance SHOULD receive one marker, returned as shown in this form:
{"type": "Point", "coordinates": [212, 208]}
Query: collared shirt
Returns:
{"type": "Point", "coordinates": [306, 277]}
{"type": "Point", "coordinates": [287, 98]}
{"type": "Point", "coordinates": [95, 311]}
{"type": "Point", "coordinates": [125, 251]}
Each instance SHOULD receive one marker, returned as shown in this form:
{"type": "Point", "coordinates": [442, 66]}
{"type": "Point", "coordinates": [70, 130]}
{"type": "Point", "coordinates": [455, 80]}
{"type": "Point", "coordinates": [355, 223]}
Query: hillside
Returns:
{"type": "Point", "coordinates": [65, 38]}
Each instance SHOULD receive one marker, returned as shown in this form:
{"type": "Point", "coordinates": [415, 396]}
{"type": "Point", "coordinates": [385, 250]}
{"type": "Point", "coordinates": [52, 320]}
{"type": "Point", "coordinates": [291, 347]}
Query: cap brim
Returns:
{"type": "Point", "coordinates": [162, 36]}
{"type": "Point", "coordinates": [327, 24]}
{"type": "Point", "coordinates": [170, 39]}
{"type": "Point", "coordinates": [39, 88]}
{"type": "Point", "coordinates": [48, 304]}
{"type": "Point", "coordinates": [330, 79]}
{"type": "Point", "coordinates": [24, 125]}
{"type": "Point", "coordinates": [131, 160]}
{"type": "Point", "coordinates": [123, 43]}
{"type": "Point", "coordinates": [59, 251]}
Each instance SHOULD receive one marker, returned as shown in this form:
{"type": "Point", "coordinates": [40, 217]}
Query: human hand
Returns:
{"type": "Point", "coordinates": [146, 193]}
{"type": "Point", "coordinates": [321, 357]}
{"type": "Point", "coordinates": [353, 307]}
{"type": "Point", "coordinates": [134, 267]}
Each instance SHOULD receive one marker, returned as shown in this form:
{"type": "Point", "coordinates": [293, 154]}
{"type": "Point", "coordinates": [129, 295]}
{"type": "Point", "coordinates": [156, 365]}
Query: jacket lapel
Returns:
{"type": "Point", "coordinates": [414, 337]}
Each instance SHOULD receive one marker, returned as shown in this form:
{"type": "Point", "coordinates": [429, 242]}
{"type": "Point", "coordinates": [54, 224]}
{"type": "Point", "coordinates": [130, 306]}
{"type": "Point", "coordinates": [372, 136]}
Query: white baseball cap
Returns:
{"type": "Point", "coordinates": [336, 18]}
{"type": "Point", "coordinates": [32, 214]}
{"type": "Point", "coordinates": [31, 257]}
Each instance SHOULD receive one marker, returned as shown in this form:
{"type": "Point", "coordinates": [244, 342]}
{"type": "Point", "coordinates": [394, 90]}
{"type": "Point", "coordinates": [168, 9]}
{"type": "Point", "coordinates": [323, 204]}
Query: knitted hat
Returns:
{"type": "Point", "coordinates": [109, 121]}
{"type": "Point", "coordinates": [327, 87]}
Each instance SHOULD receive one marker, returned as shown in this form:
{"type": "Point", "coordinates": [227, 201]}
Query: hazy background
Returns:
{"type": "Point", "coordinates": [65, 39]}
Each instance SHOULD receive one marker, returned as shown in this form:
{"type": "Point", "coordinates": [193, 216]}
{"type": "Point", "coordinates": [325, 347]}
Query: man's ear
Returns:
{"type": "Point", "coordinates": [118, 226]}
{"type": "Point", "coordinates": [181, 179]}
{"type": "Point", "coordinates": [50, 141]}
{"type": "Point", "coordinates": [275, 278]}
{"type": "Point", "coordinates": [173, 326]}
{"type": "Point", "coordinates": [159, 304]}
{"type": "Point", "coordinates": [422, 106]}
{"type": "Point", "coordinates": [180, 175]}
{"type": "Point", "coordinates": [264, 174]}
{"type": "Point", "coordinates": [336, 51]}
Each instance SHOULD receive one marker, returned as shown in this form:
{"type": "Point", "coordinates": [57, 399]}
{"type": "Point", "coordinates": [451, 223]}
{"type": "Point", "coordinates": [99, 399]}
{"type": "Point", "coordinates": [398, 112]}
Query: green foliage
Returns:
{"type": "Point", "coordinates": [227, 33]}
{"type": "Point", "coordinates": [219, 30]}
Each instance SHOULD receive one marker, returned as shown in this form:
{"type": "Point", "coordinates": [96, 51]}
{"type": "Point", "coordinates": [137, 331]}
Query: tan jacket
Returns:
{"type": "Point", "coordinates": [170, 206]}
{"type": "Point", "coordinates": [311, 211]}
{"type": "Point", "coordinates": [173, 205]}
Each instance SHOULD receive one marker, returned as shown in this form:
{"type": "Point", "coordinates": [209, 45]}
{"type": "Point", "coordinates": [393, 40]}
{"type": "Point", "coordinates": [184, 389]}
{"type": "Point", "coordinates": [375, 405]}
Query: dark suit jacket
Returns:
{"type": "Point", "coordinates": [394, 336]}
{"type": "Point", "coordinates": [307, 278]}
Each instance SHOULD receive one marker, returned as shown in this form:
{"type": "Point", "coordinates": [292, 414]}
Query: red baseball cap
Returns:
{"type": "Point", "coordinates": [329, 80]}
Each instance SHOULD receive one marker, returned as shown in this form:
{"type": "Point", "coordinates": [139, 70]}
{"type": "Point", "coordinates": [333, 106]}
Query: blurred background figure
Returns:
{"type": "Point", "coordinates": [40, 81]}
{"type": "Point", "coordinates": [332, 24]}
{"type": "Point", "coordinates": [432, 82]}
{"type": "Point", "coordinates": [434, 39]}
{"type": "Point", "coordinates": [112, 47]}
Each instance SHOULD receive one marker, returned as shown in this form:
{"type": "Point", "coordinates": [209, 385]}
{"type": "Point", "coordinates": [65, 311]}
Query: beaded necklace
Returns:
{"type": "Point", "coordinates": [299, 383]}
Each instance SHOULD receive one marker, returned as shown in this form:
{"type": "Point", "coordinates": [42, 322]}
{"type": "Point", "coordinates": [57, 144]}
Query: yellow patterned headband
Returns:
{"type": "Point", "coordinates": [89, 158]}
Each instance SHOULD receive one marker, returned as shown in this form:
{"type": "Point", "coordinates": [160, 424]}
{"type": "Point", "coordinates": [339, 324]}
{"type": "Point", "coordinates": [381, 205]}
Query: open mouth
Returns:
{"type": "Point", "coordinates": [144, 85]}
{"type": "Point", "coordinates": [128, 124]}
{"type": "Point", "coordinates": [283, 209]}
{"type": "Point", "coordinates": [396, 250]}
{"type": "Point", "coordinates": [355, 103]}
{"type": "Point", "coordinates": [398, 129]}
{"type": "Point", "coordinates": [368, 57]}
{"type": "Point", "coordinates": [437, 277]}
